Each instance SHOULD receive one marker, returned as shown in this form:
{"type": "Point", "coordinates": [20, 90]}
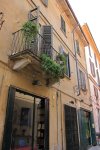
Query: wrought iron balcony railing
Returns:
{"type": "Point", "coordinates": [36, 47]}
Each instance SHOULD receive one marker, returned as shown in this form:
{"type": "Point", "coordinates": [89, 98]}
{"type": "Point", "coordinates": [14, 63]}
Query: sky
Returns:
{"type": "Point", "coordinates": [88, 11]}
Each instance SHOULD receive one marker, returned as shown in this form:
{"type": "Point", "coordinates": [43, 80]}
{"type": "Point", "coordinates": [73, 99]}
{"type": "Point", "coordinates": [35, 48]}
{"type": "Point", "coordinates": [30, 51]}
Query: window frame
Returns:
{"type": "Point", "coordinates": [82, 80]}
{"type": "Point", "coordinates": [63, 25]}
{"type": "Point", "coordinates": [92, 68]}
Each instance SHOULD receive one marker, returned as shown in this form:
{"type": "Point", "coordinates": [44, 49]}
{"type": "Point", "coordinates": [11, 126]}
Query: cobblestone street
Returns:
{"type": "Point", "coordinates": [94, 148]}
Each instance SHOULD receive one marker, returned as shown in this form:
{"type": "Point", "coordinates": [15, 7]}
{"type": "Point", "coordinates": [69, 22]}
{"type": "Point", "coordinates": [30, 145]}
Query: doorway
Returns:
{"type": "Point", "coordinates": [71, 128]}
{"type": "Point", "coordinates": [28, 121]}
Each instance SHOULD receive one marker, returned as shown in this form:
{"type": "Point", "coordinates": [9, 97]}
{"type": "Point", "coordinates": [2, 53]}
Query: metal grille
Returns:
{"type": "Point", "coordinates": [71, 129]}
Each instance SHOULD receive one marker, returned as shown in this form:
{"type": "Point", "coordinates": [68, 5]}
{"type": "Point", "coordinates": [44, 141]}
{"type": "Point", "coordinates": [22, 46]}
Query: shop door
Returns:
{"type": "Point", "coordinates": [27, 123]}
{"type": "Point", "coordinates": [87, 131]}
{"type": "Point", "coordinates": [71, 128]}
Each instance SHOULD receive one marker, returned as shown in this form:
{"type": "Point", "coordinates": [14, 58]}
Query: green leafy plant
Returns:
{"type": "Point", "coordinates": [30, 30]}
{"type": "Point", "coordinates": [61, 59]}
{"type": "Point", "coordinates": [52, 68]}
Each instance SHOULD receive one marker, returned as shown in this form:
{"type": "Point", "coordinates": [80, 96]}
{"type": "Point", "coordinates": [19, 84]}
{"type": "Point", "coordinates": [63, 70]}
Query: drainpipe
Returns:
{"type": "Point", "coordinates": [76, 60]}
{"type": "Point", "coordinates": [61, 119]}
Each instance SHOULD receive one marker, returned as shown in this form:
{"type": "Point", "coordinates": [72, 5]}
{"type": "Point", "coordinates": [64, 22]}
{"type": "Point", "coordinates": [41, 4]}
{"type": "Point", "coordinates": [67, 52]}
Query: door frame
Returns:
{"type": "Point", "coordinates": [6, 143]}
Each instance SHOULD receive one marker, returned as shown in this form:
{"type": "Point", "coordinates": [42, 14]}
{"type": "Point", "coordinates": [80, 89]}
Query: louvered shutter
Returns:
{"type": "Point", "coordinates": [83, 82]}
{"type": "Point", "coordinates": [77, 47]}
{"type": "Point", "coordinates": [80, 79]}
{"type": "Point", "coordinates": [8, 121]}
{"type": "Point", "coordinates": [47, 40]}
{"type": "Point", "coordinates": [68, 66]}
{"type": "Point", "coordinates": [82, 130]}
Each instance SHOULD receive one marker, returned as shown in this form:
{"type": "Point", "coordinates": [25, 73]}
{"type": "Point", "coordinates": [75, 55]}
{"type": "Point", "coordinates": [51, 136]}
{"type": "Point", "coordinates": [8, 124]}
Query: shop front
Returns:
{"type": "Point", "coordinates": [27, 122]}
{"type": "Point", "coordinates": [87, 130]}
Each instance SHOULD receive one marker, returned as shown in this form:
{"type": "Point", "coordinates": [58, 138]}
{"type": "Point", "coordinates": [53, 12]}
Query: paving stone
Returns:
{"type": "Point", "coordinates": [94, 148]}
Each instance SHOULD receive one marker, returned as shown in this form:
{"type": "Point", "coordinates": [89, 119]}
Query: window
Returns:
{"type": "Point", "coordinates": [98, 78]}
{"type": "Point", "coordinates": [82, 80]}
{"type": "Point", "coordinates": [92, 68]}
{"type": "Point", "coordinates": [96, 92]}
{"type": "Point", "coordinates": [63, 26]}
{"type": "Point", "coordinates": [67, 65]}
{"type": "Point", "coordinates": [27, 118]}
{"type": "Point", "coordinates": [45, 2]}
{"type": "Point", "coordinates": [89, 51]}
{"type": "Point", "coordinates": [77, 47]}
{"type": "Point", "coordinates": [95, 60]}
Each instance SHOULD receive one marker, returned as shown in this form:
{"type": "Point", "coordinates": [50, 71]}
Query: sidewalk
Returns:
{"type": "Point", "coordinates": [94, 148]}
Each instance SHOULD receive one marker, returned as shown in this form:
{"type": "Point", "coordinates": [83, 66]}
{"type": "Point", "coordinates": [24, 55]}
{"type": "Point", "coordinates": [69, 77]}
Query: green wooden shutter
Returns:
{"type": "Point", "coordinates": [47, 40]}
{"type": "Point", "coordinates": [93, 134]}
{"type": "Point", "coordinates": [67, 65]}
{"type": "Point", "coordinates": [8, 120]}
{"type": "Point", "coordinates": [77, 47]}
{"type": "Point", "coordinates": [82, 130]}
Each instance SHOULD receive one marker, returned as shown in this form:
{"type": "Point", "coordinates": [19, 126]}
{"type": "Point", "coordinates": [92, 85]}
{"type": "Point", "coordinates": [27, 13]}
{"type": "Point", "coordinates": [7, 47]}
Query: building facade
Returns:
{"type": "Point", "coordinates": [38, 110]}
{"type": "Point", "coordinates": [93, 66]}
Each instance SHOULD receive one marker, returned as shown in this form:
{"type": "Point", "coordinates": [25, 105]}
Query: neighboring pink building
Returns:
{"type": "Point", "coordinates": [93, 67]}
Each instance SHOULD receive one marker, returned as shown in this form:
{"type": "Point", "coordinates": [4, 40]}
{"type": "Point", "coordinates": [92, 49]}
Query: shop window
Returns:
{"type": "Point", "coordinates": [28, 121]}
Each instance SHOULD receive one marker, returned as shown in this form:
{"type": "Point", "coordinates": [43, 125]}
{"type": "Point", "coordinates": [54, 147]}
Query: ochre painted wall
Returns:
{"type": "Point", "coordinates": [15, 14]}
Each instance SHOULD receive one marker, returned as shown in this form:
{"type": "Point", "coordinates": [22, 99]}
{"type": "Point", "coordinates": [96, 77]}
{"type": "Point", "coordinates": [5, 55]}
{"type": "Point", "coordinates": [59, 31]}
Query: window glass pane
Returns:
{"type": "Point", "coordinates": [22, 127]}
{"type": "Point", "coordinates": [28, 125]}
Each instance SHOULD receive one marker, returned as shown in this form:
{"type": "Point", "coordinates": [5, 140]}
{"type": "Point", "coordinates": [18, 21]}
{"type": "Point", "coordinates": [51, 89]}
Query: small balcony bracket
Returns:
{"type": "Point", "coordinates": [20, 64]}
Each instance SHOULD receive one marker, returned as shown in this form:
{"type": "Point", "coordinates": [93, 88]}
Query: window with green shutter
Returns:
{"type": "Point", "coordinates": [67, 65]}
{"type": "Point", "coordinates": [63, 25]}
{"type": "Point", "coordinates": [82, 80]}
{"type": "Point", "coordinates": [77, 47]}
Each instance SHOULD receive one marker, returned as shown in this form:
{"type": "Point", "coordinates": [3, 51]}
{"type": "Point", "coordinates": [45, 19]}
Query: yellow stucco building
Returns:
{"type": "Point", "coordinates": [36, 110]}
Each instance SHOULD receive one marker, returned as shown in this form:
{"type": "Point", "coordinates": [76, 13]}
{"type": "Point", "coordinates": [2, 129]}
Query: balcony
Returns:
{"type": "Point", "coordinates": [27, 54]}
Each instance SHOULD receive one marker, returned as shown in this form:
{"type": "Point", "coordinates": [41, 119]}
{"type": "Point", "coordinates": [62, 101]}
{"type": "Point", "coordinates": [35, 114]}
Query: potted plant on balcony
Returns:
{"type": "Point", "coordinates": [53, 69]}
{"type": "Point", "coordinates": [30, 31]}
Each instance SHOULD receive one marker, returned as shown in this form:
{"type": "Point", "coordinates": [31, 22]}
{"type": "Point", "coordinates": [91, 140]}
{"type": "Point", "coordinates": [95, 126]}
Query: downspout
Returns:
{"type": "Point", "coordinates": [58, 97]}
{"type": "Point", "coordinates": [61, 119]}
{"type": "Point", "coordinates": [76, 60]}
{"type": "Point", "coordinates": [57, 116]}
